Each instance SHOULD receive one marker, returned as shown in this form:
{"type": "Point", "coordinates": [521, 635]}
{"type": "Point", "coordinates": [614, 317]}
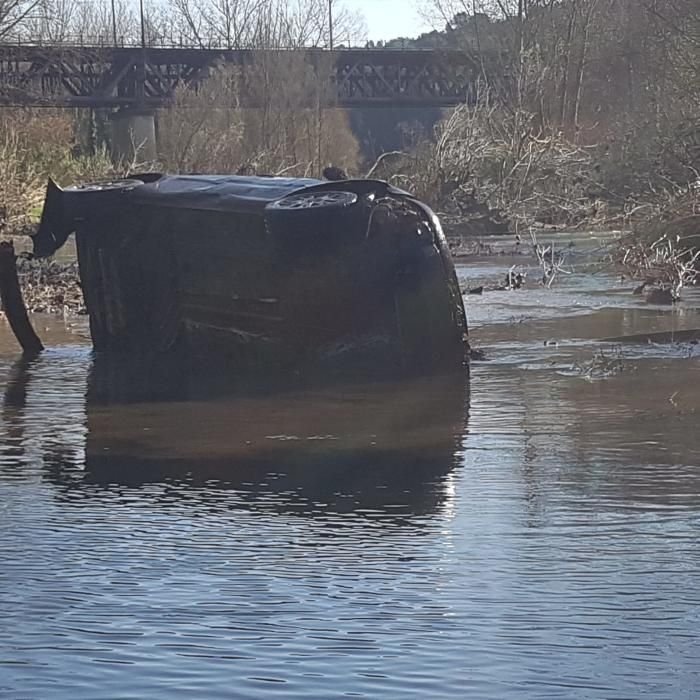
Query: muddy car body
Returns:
{"type": "Point", "coordinates": [264, 272]}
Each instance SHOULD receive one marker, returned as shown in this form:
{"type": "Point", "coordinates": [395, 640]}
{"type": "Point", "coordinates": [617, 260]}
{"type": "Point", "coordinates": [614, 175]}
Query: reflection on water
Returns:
{"type": "Point", "coordinates": [534, 536]}
{"type": "Point", "coordinates": [340, 448]}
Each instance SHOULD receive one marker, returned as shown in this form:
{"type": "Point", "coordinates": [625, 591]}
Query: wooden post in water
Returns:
{"type": "Point", "coordinates": [13, 303]}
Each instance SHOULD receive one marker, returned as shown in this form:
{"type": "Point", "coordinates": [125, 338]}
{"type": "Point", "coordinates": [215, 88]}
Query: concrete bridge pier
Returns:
{"type": "Point", "coordinates": [134, 136]}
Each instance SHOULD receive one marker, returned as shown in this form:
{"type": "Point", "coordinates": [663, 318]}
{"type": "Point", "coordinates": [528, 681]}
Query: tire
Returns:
{"type": "Point", "coordinates": [314, 201]}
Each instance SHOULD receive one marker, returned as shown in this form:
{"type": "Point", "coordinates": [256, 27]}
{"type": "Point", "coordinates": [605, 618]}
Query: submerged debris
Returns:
{"type": "Point", "coordinates": [551, 260]}
{"type": "Point", "coordinates": [602, 365]}
{"type": "Point", "coordinates": [515, 280]}
{"type": "Point", "coordinates": [301, 266]}
{"type": "Point", "coordinates": [477, 354]}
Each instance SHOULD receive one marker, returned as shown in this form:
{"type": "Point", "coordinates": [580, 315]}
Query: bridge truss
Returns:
{"type": "Point", "coordinates": [132, 77]}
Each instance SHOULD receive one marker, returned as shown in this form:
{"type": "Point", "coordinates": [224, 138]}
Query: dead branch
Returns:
{"type": "Point", "coordinates": [13, 303]}
{"type": "Point", "coordinates": [381, 159]}
{"type": "Point", "coordinates": [551, 261]}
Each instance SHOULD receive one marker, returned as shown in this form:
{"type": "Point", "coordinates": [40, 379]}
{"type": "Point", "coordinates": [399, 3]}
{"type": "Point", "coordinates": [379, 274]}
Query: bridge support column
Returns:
{"type": "Point", "coordinates": [134, 136]}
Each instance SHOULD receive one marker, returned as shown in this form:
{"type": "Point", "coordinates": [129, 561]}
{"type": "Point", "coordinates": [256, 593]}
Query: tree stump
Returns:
{"type": "Point", "coordinates": [13, 303]}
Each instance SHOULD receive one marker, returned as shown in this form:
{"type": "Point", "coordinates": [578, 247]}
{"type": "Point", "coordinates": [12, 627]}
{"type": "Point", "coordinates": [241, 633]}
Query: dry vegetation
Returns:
{"type": "Point", "coordinates": [490, 163]}
{"type": "Point", "coordinates": [591, 116]}
{"type": "Point", "coordinates": [292, 132]}
{"type": "Point", "coordinates": [33, 145]}
{"type": "Point", "coordinates": [663, 253]}
{"type": "Point", "coordinates": [494, 164]}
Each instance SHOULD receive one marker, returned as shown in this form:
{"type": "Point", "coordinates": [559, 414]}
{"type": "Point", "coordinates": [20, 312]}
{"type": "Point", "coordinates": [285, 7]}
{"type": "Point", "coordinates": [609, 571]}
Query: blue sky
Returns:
{"type": "Point", "coordinates": [387, 19]}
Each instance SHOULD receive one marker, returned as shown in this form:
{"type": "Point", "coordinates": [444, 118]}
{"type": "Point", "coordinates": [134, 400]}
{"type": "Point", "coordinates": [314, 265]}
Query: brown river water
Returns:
{"type": "Point", "coordinates": [529, 532]}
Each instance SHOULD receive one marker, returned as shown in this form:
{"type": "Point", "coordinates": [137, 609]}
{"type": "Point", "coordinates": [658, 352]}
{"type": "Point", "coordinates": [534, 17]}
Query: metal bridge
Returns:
{"type": "Point", "coordinates": [147, 78]}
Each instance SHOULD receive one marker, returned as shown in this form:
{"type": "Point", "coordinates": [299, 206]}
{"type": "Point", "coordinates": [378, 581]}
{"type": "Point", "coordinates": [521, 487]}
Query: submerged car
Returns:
{"type": "Point", "coordinates": [266, 272]}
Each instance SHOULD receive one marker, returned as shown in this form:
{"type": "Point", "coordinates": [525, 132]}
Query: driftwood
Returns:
{"type": "Point", "coordinates": [13, 303]}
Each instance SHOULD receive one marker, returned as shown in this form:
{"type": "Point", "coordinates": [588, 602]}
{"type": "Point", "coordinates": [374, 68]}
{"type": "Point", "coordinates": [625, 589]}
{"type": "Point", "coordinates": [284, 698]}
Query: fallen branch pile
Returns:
{"type": "Point", "coordinates": [51, 287]}
{"type": "Point", "coordinates": [664, 253]}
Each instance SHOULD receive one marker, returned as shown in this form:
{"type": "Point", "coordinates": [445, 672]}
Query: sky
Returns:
{"type": "Point", "coordinates": [388, 19]}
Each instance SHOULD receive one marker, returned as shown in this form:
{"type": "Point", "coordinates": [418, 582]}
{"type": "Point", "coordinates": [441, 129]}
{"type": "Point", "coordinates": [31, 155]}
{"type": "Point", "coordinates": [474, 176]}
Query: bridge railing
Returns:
{"type": "Point", "coordinates": [105, 41]}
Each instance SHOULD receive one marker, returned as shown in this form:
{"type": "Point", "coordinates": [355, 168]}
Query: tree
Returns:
{"type": "Point", "coordinates": [14, 14]}
{"type": "Point", "coordinates": [234, 24]}
{"type": "Point", "coordinates": [226, 23]}
{"type": "Point", "coordinates": [293, 129]}
{"type": "Point", "coordinates": [87, 22]}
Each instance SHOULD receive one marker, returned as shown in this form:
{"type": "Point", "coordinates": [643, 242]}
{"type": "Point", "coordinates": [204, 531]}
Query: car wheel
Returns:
{"type": "Point", "coordinates": [310, 201]}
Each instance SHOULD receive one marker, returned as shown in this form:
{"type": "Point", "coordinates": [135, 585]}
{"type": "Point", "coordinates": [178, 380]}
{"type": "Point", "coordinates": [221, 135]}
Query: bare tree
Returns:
{"type": "Point", "coordinates": [15, 13]}
{"type": "Point", "coordinates": [235, 24]}
{"type": "Point", "coordinates": [226, 23]}
{"type": "Point", "coordinates": [55, 24]}
{"type": "Point", "coordinates": [81, 22]}
{"type": "Point", "coordinates": [291, 129]}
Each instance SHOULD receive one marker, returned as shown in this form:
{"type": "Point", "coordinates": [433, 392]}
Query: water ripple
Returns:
{"type": "Point", "coordinates": [543, 544]}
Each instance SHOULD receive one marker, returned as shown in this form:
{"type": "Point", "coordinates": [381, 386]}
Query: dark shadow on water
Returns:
{"type": "Point", "coordinates": [15, 396]}
{"type": "Point", "coordinates": [337, 446]}
{"type": "Point", "coordinates": [14, 404]}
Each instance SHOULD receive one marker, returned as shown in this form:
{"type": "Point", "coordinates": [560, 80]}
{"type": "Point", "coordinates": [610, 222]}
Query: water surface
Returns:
{"type": "Point", "coordinates": [533, 534]}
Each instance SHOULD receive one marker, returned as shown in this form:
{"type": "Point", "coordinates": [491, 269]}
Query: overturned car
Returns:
{"type": "Point", "coordinates": [262, 272]}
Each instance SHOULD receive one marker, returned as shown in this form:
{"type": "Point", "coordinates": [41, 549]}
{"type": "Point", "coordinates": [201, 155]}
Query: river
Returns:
{"type": "Point", "coordinates": [533, 533]}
